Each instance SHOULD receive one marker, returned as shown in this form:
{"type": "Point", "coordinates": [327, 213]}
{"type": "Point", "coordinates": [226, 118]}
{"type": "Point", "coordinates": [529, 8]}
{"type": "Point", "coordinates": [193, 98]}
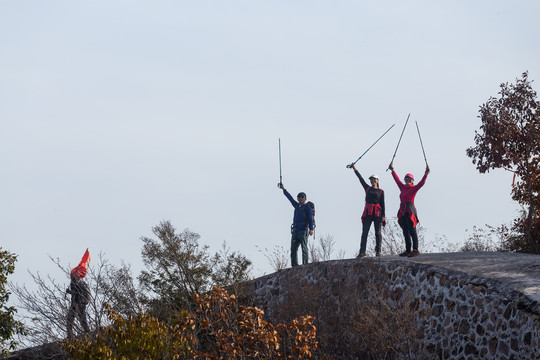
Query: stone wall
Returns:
{"type": "Point", "coordinates": [468, 317]}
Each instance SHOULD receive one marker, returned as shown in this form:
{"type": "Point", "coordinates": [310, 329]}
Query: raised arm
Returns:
{"type": "Point", "coordinates": [291, 199]}
{"type": "Point", "coordinates": [362, 181]}
{"type": "Point", "coordinates": [423, 181]}
{"type": "Point", "coordinates": [397, 180]}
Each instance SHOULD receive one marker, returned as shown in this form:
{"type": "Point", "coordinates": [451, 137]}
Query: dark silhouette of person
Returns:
{"type": "Point", "coordinates": [80, 296]}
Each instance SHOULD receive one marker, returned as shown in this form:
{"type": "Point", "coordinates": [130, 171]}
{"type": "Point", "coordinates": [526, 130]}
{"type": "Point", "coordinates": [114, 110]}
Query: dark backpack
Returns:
{"type": "Point", "coordinates": [312, 206]}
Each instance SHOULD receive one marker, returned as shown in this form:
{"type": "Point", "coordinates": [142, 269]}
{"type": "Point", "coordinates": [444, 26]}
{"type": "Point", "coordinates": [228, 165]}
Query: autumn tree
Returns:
{"type": "Point", "coordinates": [178, 267]}
{"type": "Point", "coordinates": [135, 337]}
{"type": "Point", "coordinates": [217, 328]}
{"type": "Point", "coordinates": [224, 329]}
{"type": "Point", "coordinates": [230, 269]}
{"type": "Point", "coordinates": [509, 138]}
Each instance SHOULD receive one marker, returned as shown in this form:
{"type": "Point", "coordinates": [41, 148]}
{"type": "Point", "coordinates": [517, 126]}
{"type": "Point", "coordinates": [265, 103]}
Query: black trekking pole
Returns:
{"type": "Point", "coordinates": [402, 131]}
{"type": "Point", "coordinates": [280, 178]}
{"type": "Point", "coordinates": [421, 141]}
{"type": "Point", "coordinates": [350, 165]}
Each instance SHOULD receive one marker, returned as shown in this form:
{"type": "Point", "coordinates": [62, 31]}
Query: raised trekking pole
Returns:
{"type": "Point", "coordinates": [417, 129]}
{"type": "Point", "coordinates": [402, 131]}
{"type": "Point", "coordinates": [280, 178]}
{"type": "Point", "coordinates": [350, 165]}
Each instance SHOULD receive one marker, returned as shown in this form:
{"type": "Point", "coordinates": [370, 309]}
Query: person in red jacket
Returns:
{"type": "Point", "coordinates": [407, 215]}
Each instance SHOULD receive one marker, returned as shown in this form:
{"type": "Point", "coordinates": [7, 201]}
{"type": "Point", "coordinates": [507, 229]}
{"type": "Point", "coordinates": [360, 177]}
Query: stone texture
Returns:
{"type": "Point", "coordinates": [468, 317]}
{"type": "Point", "coordinates": [437, 310]}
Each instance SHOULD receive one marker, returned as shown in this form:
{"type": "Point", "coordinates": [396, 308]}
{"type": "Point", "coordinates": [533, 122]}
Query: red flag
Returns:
{"type": "Point", "coordinates": [80, 270]}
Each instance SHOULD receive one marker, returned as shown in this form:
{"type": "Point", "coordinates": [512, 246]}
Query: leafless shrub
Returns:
{"type": "Point", "coordinates": [490, 238]}
{"type": "Point", "coordinates": [45, 309]}
{"type": "Point", "coordinates": [324, 249]}
{"type": "Point", "coordinates": [278, 257]}
{"type": "Point", "coordinates": [392, 242]}
{"type": "Point", "coordinates": [439, 244]}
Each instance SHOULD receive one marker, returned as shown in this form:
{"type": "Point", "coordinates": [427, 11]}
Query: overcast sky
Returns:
{"type": "Point", "coordinates": [116, 115]}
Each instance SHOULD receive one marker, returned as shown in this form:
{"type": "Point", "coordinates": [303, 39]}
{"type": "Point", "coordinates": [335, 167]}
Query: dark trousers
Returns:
{"type": "Point", "coordinates": [79, 310]}
{"type": "Point", "coordinates": [299, 238]}
{"type": "Point", "coordinates": [409, 232]}
{"type": "Point", "coordinates": [366, 225]}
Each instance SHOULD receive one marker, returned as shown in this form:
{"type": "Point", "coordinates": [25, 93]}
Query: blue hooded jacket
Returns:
{"type": "Point", "coordinates": [303, 214]}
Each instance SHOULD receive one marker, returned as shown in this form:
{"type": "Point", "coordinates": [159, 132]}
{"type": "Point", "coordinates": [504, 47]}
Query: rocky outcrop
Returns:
{"type": "Point", "coordinates": [469, 317]}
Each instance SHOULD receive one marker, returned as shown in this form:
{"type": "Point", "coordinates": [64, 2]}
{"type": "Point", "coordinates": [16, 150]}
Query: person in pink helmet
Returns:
{"type": "Point", "coordinates": [407, 215]}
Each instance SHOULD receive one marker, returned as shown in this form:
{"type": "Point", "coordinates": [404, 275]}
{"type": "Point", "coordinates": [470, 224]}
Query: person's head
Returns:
{"type": "Point", "coordinates": [374, 179]}
{"type": "Point", "coordinates": [77, 274]}
{"type": "Point", "coordinates": [409, 179]}
{"type": "Point", "coordinates": [301, 198]}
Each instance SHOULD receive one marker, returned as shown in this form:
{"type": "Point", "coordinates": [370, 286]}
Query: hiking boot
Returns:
{"type": "Point", "coordinates": [414, 253]}
{"type": "Point", "coordinates": [405, 253]}
{"type": "Point", "coordinates": [361, 255]}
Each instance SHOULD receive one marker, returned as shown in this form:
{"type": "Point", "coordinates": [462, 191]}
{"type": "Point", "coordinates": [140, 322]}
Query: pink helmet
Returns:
{"type": "Point", "coordinates": [409, 175]}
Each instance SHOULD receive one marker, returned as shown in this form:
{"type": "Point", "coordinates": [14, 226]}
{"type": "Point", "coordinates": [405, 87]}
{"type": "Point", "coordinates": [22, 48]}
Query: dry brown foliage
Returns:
{"type": "Point", "coordinates": [217, 328]}
{"type": "Point", "coordinates": [223, 329]}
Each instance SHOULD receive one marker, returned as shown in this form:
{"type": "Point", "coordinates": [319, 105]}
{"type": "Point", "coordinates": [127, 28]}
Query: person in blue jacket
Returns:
{"type": "Point", "coordinates": [302, 226]}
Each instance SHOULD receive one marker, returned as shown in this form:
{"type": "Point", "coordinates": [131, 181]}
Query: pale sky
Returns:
{"type": "Point", "coordinates": [116, 115]}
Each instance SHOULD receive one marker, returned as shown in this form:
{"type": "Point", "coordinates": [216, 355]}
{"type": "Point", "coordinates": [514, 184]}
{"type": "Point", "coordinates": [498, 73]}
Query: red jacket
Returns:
{"type": "Point", "coordinates": [407, 195]}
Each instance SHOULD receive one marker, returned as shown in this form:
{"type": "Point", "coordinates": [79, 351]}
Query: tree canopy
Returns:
{"type": "Point", "coordinates": [8, 325]}
{"type": "Point", "coordinates": [509, 138]}
{"type": "Point", "coordinates": [178, 267]}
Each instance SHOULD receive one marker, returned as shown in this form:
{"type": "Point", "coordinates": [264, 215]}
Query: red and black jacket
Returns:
{"type": "Point", "coordinates": [374, 200]}
{"type": "Point", "coordinates": [406, 196]}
